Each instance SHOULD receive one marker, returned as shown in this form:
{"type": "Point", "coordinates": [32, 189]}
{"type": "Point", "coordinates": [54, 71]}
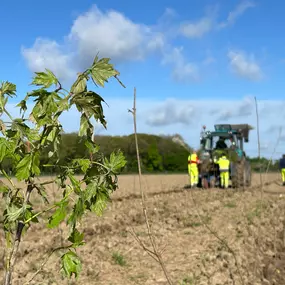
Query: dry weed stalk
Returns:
{"type": "Point", "coordinates": [155, 253]}
{"type": "Point", "coordinates": [258, 146]}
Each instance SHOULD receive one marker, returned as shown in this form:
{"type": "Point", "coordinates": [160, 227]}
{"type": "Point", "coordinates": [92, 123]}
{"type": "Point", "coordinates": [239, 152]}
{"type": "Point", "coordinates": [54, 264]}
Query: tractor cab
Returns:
{"type": "Point", "coordinates": [224, 137]}
{"type": "Point", "coordinates": [228, 139]}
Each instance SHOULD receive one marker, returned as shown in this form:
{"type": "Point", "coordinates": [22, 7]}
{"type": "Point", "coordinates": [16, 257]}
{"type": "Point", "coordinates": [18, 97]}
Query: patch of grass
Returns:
{"type": "Point", "coordinates": [124, 234]}
{"type": "Point", "coordinates": [256, 212]}
{"type": "Point", "coordinates": [119, 259]}
{"type": "Point", "coordinates": [188, 281]}
{"type": "Point", "coordinates": [139, 277]}
{"type": "Point", "coordinates": [230, 204]}
{"type": "Point", "coordinates": [193, 221]}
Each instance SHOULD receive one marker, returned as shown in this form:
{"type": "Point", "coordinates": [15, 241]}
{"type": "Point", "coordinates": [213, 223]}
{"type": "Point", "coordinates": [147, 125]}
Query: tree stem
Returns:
{"type": "Point", "coordinates": [11, 260]}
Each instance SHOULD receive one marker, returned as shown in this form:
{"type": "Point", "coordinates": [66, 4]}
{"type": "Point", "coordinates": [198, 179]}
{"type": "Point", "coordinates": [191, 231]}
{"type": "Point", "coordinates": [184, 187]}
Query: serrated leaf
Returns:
{"type": "Point", "coordinates": [102, 70]}
{"type": "Point", "coordinates": [8, 88]}
{"type": "Point", "coordinates": [85, 126]}
{"type": "Point", "coordinates": [90, 191]}
{"type": "Point", "coordinates": [83, 163]}
{"type": "Point", "coordinates": [45, 79]}
{"type": "Point", "coordinates": [23, 106]}
{"type": "Point", "coordinates": [100, 203]}
{"type": "Point", "coordinates": [92, 147]}
{"type": "Point", "coordinates": [117, 162]}
{"type": "Point", "coordinates": [71, 264]}
{"type": "Point", "coordinates": [23, 167]}
{"type": "Point", "coordinates": [75, 183]}
{"type": "Point", "coordinates": [76, 238]}
{"type": "Point", "coordinates": [14, 212]}
{"type": "Point", "coordinates": [59, 215]}
{"type": "Point", "coordinates": [30, 163]}
{"type": "Point", "coordinates": [77, 213]}
{"type": "Point", "coordinates": [80, 85]}
{"type": "Point", "coordinates": [36, 164]}
{"type": "Point", "coordinates": [4, 148]}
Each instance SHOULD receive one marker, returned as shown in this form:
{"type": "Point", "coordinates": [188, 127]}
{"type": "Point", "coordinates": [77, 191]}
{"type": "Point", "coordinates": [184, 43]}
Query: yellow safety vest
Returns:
{"type": "Point", "coordinates": [192, 159]}
{"type": "Point", "coordinates": [223, 163]}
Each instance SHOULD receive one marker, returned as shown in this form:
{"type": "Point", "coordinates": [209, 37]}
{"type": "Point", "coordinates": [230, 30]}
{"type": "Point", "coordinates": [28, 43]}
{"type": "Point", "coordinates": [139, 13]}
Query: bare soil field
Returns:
{"type": "Point", "coordinates": [214, 236]}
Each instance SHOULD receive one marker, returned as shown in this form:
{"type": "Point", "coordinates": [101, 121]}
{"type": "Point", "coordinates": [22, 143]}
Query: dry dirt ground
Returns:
{"type": "Point", "coordinates": [207, 236]}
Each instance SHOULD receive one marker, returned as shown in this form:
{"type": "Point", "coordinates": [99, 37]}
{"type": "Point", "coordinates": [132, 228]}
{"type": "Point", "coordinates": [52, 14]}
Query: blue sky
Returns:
{"type": "Point", "coordinates": [192, 62]}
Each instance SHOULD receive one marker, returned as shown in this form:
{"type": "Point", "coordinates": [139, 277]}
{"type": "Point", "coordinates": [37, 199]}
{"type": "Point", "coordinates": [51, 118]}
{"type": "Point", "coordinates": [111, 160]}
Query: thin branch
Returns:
{"type": "Point", "coordinates": [274, 151]}
{"type": "Point", "coordinates": [120, 81]}
{"type": "Point", "coordinates": [155, 251]}
{"type": "Point", "coordinates": [258, 142]}
{"type": "Point", "coordinates": [44, 263]}
{"type": "Point", "coordinates": [11, 260]}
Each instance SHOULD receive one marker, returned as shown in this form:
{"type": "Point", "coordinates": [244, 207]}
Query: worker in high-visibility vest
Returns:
{"type": "Point", "coordinates": [193, 160]}
{"type": "Point", "coordinates": [282, 168]}
{"type": "Point", "coordinates": [224, 167]}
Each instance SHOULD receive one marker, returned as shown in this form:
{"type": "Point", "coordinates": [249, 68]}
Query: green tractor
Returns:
{"type": "Point", "coordinates": [228, 139]}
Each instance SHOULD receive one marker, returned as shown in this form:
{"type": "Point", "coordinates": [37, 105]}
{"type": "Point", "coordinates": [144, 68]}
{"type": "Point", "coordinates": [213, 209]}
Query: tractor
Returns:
{"type": "Point", "coordinates": [228, 139]}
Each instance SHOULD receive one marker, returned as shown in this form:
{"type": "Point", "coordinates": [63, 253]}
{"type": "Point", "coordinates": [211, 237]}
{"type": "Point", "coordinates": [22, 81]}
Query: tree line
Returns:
{"type": "Point", "coordinates": [159, 154]}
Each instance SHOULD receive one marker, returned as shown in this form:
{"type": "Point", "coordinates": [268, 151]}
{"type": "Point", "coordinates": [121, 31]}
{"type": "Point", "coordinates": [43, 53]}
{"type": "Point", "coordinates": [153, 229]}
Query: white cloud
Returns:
{"type": "Point", "coordinates": [109, 33]}
{"type": "Point", "coordinates": [236, 13]}
{"type": "Point", "coordinates": [244, 66]}
{"type": "Point", "coordinates": [113, 35]}
{"type": "Point", "coordinates": [171, 112]}
{"type": "Point", "coordinates": [197, 29]}
{"type": "Point", "coordinates": [206, 24]}
{"type": "Point", "coordinates": [244, 108]}
{"type": "Point", "coordinates": [48, 54]}
{"type": "Point", "coordinates": [182, 70]}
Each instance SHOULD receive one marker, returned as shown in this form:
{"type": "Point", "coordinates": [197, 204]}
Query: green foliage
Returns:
{"type": "Point", "coordinates": [119, 259]}
{"type": "Point", "coordinates": [32, 145]}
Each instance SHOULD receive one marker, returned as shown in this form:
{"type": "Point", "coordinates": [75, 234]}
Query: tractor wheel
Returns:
{"type": "Point", "coordinates": [239, 175]}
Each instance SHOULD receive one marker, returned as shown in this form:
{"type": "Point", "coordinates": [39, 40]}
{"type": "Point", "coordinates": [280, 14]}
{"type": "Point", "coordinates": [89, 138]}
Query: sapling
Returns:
{"type": "Point", "coordinates": [23, 142]}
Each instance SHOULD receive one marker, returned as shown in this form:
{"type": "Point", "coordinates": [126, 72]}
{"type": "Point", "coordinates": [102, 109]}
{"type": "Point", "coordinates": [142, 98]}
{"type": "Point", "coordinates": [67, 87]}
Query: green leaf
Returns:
{"type": "Point", "coordinates": [76, 238]}
{"type": "Point", "coordinates": [3, 188]}
{"type": "Point", "coordinates": [45, 79]}
{"type": "Point", "coordinates": [102, 70]}
{"type": "Point", "coordinates": [29, 214]}
{"type": "Point", "coordinates": [100, 203]}
{"type": "Point", "coordinates": [90, 103]}
{"type": "Point", "coordinates": [4, 148]}
{"type": "Point", "coordinates": [36, 164]}
{"type": "Point", "coordinates": [29, 164]}
{"type": "Point", "coordinates": [8, 88]}
{"type": "Point", "coordinates": [90, 191]}
{"type": "Point", "coordinates": [77, 212]}
{"type": "Point", "coordinates": [59, 215]}
{"type": "Point", "coordinates": [83, 163]}
{"type": "Point", "coordinates": [71, 264]}
{"type": "Point", "coordinates": [23, 167]}
{"type": "Point", "coordinates": [75, 183]}
{"type": "Point", "coordinates": [117, 162]}
{"type": "Point", "coordinates": [85, 126]}
{"type": "Point", "coordinates": [80, 85]}
{"type": "Point", "coordinates": [23, 106]}
{"type": "Point", "coordinates": [14, 211]}
{"type": "Point", "coordinates": [92, 147]}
